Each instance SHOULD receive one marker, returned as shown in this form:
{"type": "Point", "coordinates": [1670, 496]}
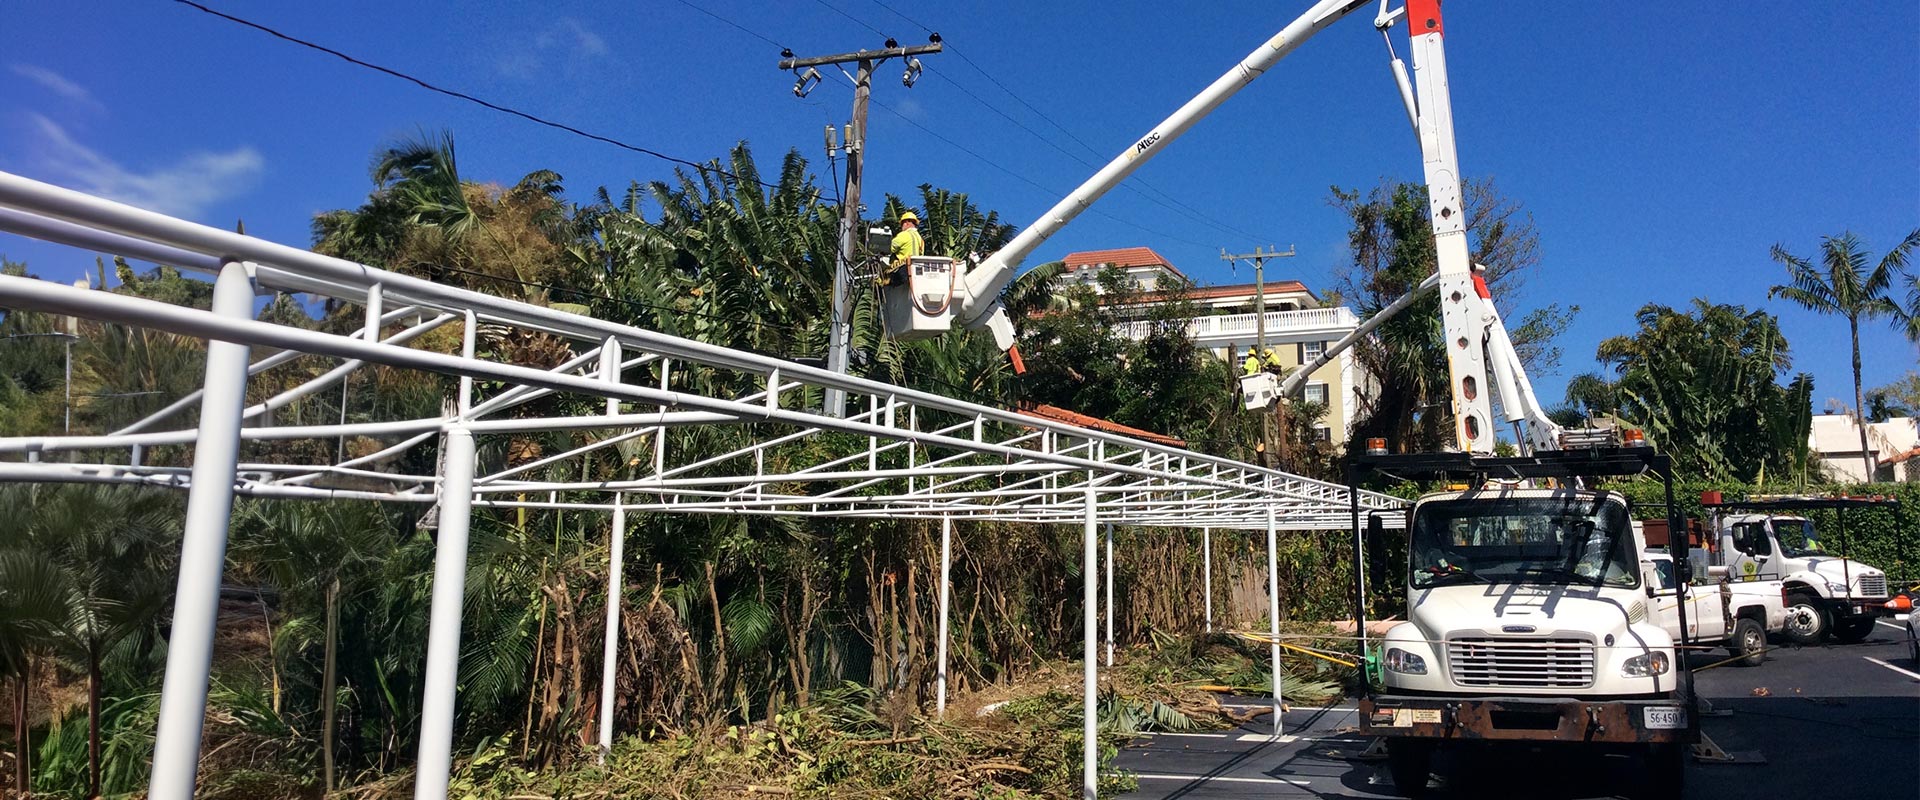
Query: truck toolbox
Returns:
{"type": "Point", "coordinates": [1649, 721]}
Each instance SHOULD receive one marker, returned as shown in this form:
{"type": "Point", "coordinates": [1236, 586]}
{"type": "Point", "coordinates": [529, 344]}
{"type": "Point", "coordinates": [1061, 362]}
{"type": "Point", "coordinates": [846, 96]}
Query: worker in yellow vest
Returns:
{"type": "Point", "coordinates": [1274, 364]}
{"type": "Point", "coordinates": [906, 244]}
{"type": "Point", "coordinates": [1252, 364]}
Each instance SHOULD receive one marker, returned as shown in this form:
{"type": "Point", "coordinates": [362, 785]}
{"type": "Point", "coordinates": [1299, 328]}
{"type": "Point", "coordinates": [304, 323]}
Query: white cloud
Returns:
{"type": "Point", "coordinates": [59, 84]}
{"type": "Point", "coordinates": [567, 43]}
{"type": "Point", "coordinates": [185, 188]}
{"type": "Point", "coordinates": [568, 33]}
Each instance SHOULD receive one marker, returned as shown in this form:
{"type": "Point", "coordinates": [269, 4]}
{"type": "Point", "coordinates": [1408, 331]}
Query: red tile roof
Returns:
{"type": "Point", "coordinates": [1906, 456]}
{"type": "Point", "coordinates": [1076, 418]}
{"type": "Point", "coordinates": [1122, 257]}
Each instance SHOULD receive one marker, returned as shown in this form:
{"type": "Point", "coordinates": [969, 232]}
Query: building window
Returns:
{"type": "Point", "coordinates": [1322, 433]}
{"type": "Point", "coordinates": [1317, 393]}
{"type": "Point", "coordinates": [1311, 351]}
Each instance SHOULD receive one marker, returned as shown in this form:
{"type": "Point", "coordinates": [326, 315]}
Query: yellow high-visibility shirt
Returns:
{"type": "Point", "coordinates": [1252, 364]}
{"type": "Point", "coordinates": [907, 244]}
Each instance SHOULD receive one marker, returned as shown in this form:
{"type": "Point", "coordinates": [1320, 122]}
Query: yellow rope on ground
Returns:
{"type": "Point", "coordinates": [1265, 638]}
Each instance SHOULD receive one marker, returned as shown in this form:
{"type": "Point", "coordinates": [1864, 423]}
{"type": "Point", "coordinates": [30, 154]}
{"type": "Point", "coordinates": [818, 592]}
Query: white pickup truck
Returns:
{"type": "Point", "coordinates": [1738, 615]}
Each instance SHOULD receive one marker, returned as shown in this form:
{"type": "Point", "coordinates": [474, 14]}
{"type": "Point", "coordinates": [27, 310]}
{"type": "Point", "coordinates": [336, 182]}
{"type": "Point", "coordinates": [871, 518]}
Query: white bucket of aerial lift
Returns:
{"type": "Point", "coordinates": [1259, 390]}
{"type": "Point", "coordinates": [922, 305]}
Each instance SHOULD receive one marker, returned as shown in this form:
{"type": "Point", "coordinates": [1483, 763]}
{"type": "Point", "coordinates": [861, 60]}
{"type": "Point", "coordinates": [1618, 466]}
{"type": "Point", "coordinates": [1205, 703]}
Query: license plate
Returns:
{"type": "Point", "coordinates": [1665, 718]}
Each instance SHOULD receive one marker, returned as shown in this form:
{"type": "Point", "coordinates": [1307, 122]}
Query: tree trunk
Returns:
{"type": "Point", "coordinates": [328, 676]}
{"type": "Point", "coordinates": [94, 679]}
{"type": "Point", "coordinates": [1859, 402]}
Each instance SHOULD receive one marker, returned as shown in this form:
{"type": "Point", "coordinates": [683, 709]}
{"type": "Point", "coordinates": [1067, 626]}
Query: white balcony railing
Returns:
{"type": "Point", "coordinates": [1245, 326]}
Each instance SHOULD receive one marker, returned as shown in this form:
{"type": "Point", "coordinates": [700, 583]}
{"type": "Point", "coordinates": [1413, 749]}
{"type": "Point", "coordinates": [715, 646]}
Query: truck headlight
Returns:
{"type": "Point", "coordinates": [1645, 665]}
{"type": "Point", "coordinates": [1400, 660]}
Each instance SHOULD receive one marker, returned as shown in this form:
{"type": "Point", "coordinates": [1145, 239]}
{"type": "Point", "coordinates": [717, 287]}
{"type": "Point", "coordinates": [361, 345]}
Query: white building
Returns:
{"type": "Point", "coordinates": [1298, 326]}
{"type": "Point", "coordinates": [1894, 444]}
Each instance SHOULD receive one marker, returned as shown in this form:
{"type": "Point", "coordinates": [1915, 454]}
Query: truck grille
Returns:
{"type": "Point", "coordinates": [1872, 585]}
{"type": "Point", "coordinates": [1523, 663]}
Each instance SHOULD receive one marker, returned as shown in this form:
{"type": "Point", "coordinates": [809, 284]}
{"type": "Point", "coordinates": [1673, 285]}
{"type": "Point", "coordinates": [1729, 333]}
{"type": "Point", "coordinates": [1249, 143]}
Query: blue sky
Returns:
{"type": "Point", "coordinates": [1661, 148]}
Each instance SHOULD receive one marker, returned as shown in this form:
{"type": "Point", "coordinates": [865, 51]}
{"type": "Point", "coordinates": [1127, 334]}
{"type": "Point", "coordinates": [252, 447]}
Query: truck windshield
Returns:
{"type": "Point", "coordinates": [1798, 539]}
{"type": "Point", "coordinates": [1564, 540]}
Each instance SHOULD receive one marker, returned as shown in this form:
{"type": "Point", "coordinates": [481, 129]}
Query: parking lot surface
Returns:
{"type": "Point", "coordinates": [1837, 721]}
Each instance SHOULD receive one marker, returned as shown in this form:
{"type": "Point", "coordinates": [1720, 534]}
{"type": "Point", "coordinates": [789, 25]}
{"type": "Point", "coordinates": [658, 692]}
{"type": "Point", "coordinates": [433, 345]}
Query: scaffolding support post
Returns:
{"type": "Point", "coordinates": [1109, 592]}
{"type": "Point", "coordinates": [443, 621]}
{"type": "Point", "coordinates": [946, 603]}
{"type": "Point", "coordinates": [1206, 573]}
{"type": "Point", "coordinates": [610, 356]}
{"type": "Point", "coordinates": [1090, 652]}
{"type": "Point", "coordinates": [203, 551]}
{"type": "Point", "coordinates": [616, 583]}
{"type": "Point", "coordinates": [1273, 614]}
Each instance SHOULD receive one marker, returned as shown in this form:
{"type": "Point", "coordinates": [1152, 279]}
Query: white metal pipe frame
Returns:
{"type": "Point", "coordinates": [905, 454]}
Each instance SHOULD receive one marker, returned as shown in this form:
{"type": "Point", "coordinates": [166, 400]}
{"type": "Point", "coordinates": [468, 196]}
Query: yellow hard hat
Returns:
{"type": "Point", "coordinates": [908, 216]}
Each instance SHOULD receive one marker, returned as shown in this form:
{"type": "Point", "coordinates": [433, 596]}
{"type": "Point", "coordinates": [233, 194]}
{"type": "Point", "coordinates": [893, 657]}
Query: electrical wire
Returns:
{"type": "Point", "coordinates": [857, 21]}
{"type": "Point", "coordinates": [734, 25]}
{"type": "Point", "coordinates": [1167, 200]}
{"type": "Point", "coordinates": [470, 98]}
{"type": "Point", "coordinates": [1022, 178]}
{"type": "Point", "coordinates": [950, 142]}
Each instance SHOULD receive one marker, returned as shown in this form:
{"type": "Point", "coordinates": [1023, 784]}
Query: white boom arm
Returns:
{"type": "Point", "coordinates": [976, 298]}
{"type": "Point", "coordinates": [1475, 336]}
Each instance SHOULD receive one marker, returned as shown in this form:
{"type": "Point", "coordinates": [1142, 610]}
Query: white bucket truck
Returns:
{"type": "Point", "coordinates": [1827, 594]}
{"type": "Point", "coordinates": [1534, 619]}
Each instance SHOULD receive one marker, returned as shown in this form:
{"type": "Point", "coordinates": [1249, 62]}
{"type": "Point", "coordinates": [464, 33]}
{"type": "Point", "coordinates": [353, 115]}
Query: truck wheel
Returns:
{"type": "Point", "coordinates": [1807, 622]}
{"type": "Point", "coordinates": [1411, 764]}
{"type": "Point", "coordinates": [1748, 642]}
{"type": "Point", "coordinates": [1666, 772]}
{"type": "Point", "coordinates": [1853, 630]}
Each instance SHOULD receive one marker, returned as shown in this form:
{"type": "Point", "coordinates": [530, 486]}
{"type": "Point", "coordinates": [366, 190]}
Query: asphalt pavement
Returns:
{"type": "Point", "coordinates": [1835, 721]}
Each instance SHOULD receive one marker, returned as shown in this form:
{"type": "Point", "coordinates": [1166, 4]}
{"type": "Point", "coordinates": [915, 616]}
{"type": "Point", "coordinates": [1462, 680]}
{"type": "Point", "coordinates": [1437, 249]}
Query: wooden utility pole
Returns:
{"type": "Point", "coordinates": [1259, 258]}
{"type": "Point", "coordinates": [840, 329]}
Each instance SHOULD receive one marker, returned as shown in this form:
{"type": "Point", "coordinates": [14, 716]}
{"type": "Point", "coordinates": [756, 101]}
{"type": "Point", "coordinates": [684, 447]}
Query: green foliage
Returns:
{"type": "Point", "coordinates": [1702, 384]}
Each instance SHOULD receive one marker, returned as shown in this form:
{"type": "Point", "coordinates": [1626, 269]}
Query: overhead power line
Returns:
{"type": "Point", "coordinates": [856, 20]}
{"type": "Point", "coordinates": [472, 99]}
{"type": "Point", "coordinates": [1145, 189]}
{"type": "Point", "coordinates": [1049, 191]}
{"type": "Point", "coordinates": [736, 26]}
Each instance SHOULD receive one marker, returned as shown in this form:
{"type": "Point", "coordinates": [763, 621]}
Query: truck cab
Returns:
{"type": "Point", "coordinates": [1826, 594]}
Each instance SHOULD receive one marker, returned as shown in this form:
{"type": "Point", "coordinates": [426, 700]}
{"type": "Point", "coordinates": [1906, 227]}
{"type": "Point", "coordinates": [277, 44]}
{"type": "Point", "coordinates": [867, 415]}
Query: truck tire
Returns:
{"type": "Point", "coordinates": [1807, 621]}
{"type": "Point", "coordinates": [1411, 764]}
{"type": "Point", "coordinates": [1748, 642]}
{"type": "Point", "coordinates": [1852, 630]}
{"type": "Point", "coordinates": [1666, 772]}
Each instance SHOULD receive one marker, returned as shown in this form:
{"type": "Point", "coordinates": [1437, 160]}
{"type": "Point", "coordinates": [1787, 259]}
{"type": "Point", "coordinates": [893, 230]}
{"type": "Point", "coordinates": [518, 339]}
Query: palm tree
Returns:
{"type": "Point", "coordinates": [33, 605]}
{"type": "Point", "coordinates": [319, 553]}
{"type": "Point", "coordinates": [111, 544]}
{"type": "Point", "coordinates": [1850, 290]}
{"type": "Point", "coordinates": [1911, 314]}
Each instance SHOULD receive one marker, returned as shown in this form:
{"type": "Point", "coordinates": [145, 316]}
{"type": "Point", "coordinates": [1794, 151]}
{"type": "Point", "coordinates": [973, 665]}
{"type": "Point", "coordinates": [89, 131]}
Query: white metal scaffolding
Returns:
{"type": "Point", "coordinates": [899, 453]}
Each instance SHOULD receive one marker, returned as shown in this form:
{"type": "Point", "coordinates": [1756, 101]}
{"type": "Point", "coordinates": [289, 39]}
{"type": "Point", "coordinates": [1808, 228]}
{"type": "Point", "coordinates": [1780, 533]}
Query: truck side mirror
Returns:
{"type": "Point", "coordinates": [1376, 547]}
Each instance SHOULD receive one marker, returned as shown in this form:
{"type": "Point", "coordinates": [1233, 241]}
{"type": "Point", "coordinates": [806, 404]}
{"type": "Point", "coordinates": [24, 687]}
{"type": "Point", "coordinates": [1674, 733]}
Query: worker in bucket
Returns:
{"type": "Point", "coordinates": [1252, 364]}
{"type": "Point", "coordinates": [1274, 364]}
{"type": "Point", "coordinates": [906, 244]}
